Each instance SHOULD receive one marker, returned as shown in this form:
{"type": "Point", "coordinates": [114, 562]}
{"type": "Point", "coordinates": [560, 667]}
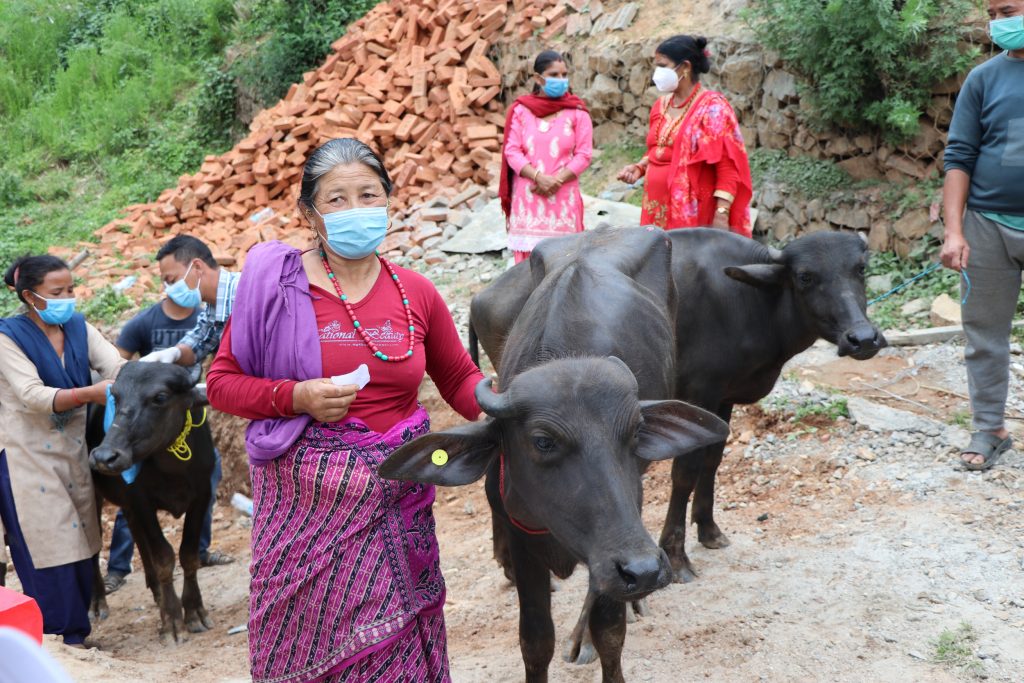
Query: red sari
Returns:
{"type": "Point", "coordinates": [699, 155]}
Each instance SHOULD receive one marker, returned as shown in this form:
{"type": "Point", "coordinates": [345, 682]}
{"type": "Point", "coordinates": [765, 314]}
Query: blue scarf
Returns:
{"type": "Point", "coordinates": [74, 371]}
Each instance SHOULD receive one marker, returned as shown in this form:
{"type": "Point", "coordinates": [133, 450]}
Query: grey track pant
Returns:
{"type": "Point", "coordinates": [994, 268]}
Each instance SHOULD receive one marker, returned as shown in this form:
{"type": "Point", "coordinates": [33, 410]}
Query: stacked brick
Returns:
{"type": "Point", "coordinates": [412, 79]}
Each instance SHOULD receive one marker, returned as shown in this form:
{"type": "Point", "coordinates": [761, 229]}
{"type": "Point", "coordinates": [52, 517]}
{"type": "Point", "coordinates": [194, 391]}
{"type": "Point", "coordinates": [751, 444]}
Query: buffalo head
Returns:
{"type": "Point", "coordinates": [575, 441]}
{"type": "Point", "coordinates": [826, 273]}
{"type": "Point", "coordinates": [151, 401]}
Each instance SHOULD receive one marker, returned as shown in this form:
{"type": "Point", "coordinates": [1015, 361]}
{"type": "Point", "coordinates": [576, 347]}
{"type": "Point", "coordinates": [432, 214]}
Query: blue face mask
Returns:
{"type": "Point", "coordinates": [183, 295]}
{"type": "Point", "coordinates": [356, 233]}
{"type": "Point", "coordinates": [1008, 33]}
{"type": "Point", "coordinates": [57, 311]}
{"type": "Point", "coordinates": [556, 87]}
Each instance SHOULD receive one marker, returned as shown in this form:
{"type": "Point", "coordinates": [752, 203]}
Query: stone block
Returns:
{"type": "Point", "coordinates": [913, 224]}
{"type": "Point", "coordinates": [608, 132]}
{"type": "Point", "coordinates": [848, 217]}
{"type": "Point", "coordinates": [880, 236]}
{"type": "Point", "coordinates": [784, 227]}
{"type": "Point", "coordinates": [624, 17]}
{"type": "Point", "coordinates": [639, 79]}
{"type": "Point", "coordinates": [945, 311]}
{"type": "Point", "coordinates": [604, 91]}
{"type": "Point", "coordinates": [578, 25]}
{"type": "Point", "coordinates": [781, 86]}
{"type": "Point", "coordinates": [861, 168]}
{"type": "Point", "coordinates": [742, 74]}
{"type": "Point", "coordinates": [904, 166]}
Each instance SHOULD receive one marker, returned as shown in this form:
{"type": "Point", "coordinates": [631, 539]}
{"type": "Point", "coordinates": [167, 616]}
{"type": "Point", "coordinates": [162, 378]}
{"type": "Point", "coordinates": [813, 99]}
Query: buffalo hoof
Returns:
{"type": "Point", "coordinates": [712, 537]}
{"type": "Point", "coordinates": [198, 621]}
{"type": "Point", "coordinates": [173, 631]}
{"type": "Point", "coordinates": [580, 651]}
{"type": "Point", "coordinates": [683, 572]}
{"type": "Point", "coordinates": [637, 612]}
{"type": "Point", "coordinates": [98, 611]}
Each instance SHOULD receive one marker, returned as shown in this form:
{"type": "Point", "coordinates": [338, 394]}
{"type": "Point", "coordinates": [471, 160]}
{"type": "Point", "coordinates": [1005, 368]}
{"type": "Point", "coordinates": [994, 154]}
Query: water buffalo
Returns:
{"type": "Point", "coordinates": [742, 311]}
{"type": "Point", "coordinates": [155, 403]}
{"type": "Point", "coordinates": [566, 443]}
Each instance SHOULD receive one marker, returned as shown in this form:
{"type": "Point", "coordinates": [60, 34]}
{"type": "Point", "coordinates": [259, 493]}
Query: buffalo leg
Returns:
{"type": "Point", "coordinates": [147, 533]}
{"type": "Point", "coordinates": [708, 533]}
{"type": "Point", "coordinates": [98, 608]}
{"type": "Point", "coordinates": [580, 647]}
{"type": "Point", "coordinates": [608, 625]}
{"type": "Point", "coordinates": [536, 629]}
{"type": "Point", "coordinates": [499, 532]}
{"type": "Point", "coordinates": [673, 535]}
{"type": "Point", "coordinates": [196, 618]}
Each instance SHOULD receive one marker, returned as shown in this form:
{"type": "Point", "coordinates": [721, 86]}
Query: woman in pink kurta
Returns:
{"type": "Point", "coordinates": [548, 144]}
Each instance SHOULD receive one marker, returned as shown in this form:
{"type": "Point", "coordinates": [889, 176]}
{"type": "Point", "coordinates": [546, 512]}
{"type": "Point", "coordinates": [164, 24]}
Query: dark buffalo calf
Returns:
{"type": "Point", "coordinates": [153, 402]}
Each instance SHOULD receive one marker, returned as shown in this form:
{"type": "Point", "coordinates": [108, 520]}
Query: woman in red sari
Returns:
{"type": "Point", "coordinates": [696, 169]}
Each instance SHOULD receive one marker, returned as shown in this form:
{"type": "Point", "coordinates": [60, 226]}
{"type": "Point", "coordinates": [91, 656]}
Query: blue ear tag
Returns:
{"type": "Point", "coordinates": [132, 472]}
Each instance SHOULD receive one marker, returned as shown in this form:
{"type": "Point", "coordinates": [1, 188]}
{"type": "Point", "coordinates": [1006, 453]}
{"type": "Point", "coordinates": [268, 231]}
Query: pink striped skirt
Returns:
{"type": "Point", "coordinates": [346, 583]}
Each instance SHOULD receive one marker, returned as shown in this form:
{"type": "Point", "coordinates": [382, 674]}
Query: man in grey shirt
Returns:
{"type": "Point", "coordinates": [983, 197]}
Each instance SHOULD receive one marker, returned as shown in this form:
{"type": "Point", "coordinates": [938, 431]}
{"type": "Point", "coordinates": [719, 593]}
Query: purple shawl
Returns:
{"type": "Point", "coordinates": [274, 335]}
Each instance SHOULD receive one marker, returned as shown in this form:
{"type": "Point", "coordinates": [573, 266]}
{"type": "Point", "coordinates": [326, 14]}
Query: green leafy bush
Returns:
{"type": "Point", "coordinates": [280, 39]}
{"type": "Point", "coordinates": [867, 64]}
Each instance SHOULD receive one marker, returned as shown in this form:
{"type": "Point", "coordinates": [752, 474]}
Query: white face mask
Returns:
{"type": "Point", "coordinates": [665, 79]}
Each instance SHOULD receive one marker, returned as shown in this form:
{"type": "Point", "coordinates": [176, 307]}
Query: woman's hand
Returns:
{"type": "Point", "coordinates": [96, 393]}
{"type": "Point", "coordinates": [322, 399]}
{"type": "Point", "coordinates": [546, 185]}
{"type": "Point", "coordinates": [720, 221]}
{"type": "Point", "coordinates": [630, 174]}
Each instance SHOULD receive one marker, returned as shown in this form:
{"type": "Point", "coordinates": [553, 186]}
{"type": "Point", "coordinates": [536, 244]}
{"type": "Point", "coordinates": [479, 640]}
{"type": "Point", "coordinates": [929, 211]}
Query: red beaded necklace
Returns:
{"type": "Point", "coordinates": [359, 328]}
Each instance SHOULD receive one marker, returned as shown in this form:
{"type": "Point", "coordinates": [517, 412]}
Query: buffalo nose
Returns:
{"type": "Point", "coordinates": [641, 574]}
{"type": "Point", "coordinates": [108, 456]}
{"type": "Point", "coordinates": [863, 339]}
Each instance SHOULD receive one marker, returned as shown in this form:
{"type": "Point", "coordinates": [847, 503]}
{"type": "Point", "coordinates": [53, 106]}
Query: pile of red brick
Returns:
{"type": "Point", "coordinates": [412, 79]}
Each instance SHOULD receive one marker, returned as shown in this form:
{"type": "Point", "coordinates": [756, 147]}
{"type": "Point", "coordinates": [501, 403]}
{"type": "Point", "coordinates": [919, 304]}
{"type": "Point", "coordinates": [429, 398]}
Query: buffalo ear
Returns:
{"type": "Point", "coordinates": [674, 428]}
{"type": "Point", "coordinates": [759, 275]}
{"type": "Point", "coordinates": [199, 398]}
{"type": "Point", "coordinates": [453, 457]}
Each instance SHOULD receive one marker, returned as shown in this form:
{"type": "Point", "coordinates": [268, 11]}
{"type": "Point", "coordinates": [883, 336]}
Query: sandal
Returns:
{"type": "Point", "coordinates": [113, 581]}
{"type": "Point", "coordinates": [215, 558]}
{"type": "Point", "coordinates": [988, 446]}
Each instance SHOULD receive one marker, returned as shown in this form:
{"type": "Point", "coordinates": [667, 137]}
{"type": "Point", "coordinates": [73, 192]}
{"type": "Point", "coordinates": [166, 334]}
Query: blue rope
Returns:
{"type": "Point", "coordinates": [917, 277]}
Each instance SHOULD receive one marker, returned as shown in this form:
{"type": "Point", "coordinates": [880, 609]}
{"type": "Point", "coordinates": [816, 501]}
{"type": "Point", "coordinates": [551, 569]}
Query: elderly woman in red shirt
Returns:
{"type": "Point", "coordinates": [345, 577]}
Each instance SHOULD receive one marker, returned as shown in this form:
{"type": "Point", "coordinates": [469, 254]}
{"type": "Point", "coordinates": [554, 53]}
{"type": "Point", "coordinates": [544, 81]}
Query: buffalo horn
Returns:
{"type": "Point", "coordinates": [495, 405]}
{"type": "Point", "coordinates": [774, 254]}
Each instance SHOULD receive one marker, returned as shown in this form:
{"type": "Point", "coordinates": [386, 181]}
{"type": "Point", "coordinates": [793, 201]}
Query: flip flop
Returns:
{"type": "Point", "coordinates": [988, 446]}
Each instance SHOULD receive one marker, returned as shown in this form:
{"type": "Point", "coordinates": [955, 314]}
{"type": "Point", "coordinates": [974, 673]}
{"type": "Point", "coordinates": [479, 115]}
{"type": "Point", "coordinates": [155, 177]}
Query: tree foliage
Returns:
{"type": "Point", "coordinates": [867, 64]}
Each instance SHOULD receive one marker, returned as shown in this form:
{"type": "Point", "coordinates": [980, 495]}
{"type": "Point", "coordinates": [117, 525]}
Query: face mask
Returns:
{"type": "Point", "coordinates": [556, 87]}
{"type": "Point", "coordinates": [57, 311]}
{"type": "Point", "coordinates": [183, 295]}
{"type": "Point", "coordinates": [1008, 33]}
{"type": "Point", "coordinates": [356, 233]}
{"type": "Point", "coordinates": [665, 79]}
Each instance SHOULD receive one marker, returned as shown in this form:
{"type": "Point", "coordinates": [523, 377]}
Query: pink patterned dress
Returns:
{"type": "Point", "coordinates": [564, 140]}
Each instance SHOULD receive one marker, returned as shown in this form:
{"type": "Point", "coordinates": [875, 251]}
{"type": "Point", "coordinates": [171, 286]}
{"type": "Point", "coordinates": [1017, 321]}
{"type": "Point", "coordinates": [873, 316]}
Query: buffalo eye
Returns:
{"type": "Point", "coordinates": [544, 444]}
{"type": "Point", "coordinates": [805, 279]}
{"type": "Point", "coordinates": [861, 270]}
{"type": "Point", "coordinates": [161, 399]}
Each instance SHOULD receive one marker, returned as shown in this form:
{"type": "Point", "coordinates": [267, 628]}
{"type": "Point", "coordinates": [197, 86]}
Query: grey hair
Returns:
{"type": "Point", "coordinates": [334, 153]}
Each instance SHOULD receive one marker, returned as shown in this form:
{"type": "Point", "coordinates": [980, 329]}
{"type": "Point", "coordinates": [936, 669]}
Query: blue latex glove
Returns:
{"type": "Point", "coordinates": [132, 472]}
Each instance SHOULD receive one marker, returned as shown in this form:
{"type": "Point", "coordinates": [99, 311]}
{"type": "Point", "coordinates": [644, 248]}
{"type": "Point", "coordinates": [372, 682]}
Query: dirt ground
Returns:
{"type": "Point", "coordinates": [835, 573]}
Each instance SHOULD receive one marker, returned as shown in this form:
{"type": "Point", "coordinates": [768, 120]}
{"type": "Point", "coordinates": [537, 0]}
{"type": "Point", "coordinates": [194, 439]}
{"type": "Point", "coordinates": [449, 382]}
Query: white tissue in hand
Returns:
{"type": "Point", "coordinates": [360, 377]}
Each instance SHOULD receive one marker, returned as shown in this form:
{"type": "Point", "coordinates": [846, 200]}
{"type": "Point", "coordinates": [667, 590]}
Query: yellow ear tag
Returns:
{"type": "Point", "coordinates": [439, 457]}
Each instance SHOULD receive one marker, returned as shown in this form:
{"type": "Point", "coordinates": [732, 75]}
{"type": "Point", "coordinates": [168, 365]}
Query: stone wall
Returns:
{"type": "Point", "coordinates": [614, 78]}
